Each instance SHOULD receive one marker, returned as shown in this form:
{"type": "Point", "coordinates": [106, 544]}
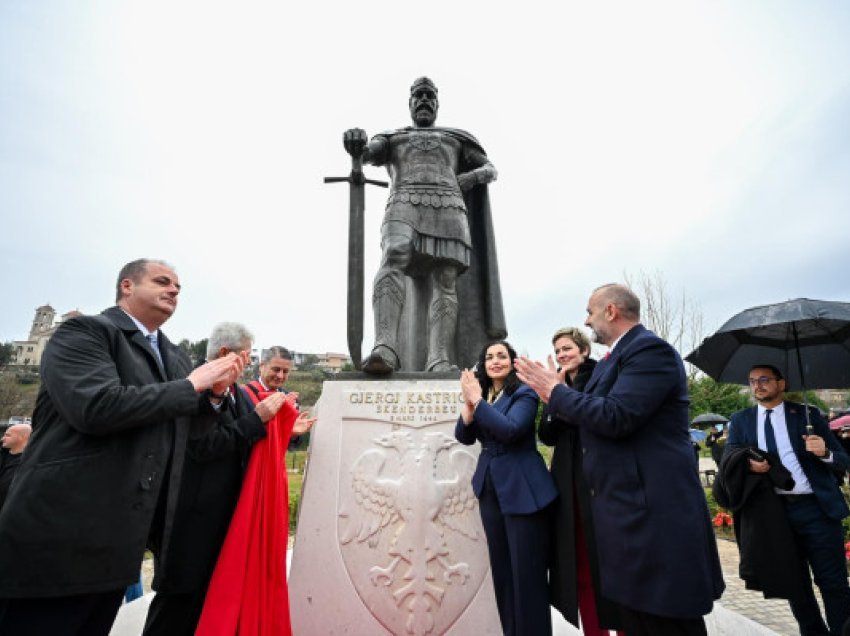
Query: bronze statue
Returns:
{"type": "Point", "coordinates": [436, 296]}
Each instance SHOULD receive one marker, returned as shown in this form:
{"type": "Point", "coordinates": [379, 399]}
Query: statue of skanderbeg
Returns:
{"type": "Point", "coordinates": [436, 297]}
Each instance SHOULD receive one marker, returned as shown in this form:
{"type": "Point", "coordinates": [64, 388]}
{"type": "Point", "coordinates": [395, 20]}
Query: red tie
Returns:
{"type": "Point", "coordinates": [607, 355]}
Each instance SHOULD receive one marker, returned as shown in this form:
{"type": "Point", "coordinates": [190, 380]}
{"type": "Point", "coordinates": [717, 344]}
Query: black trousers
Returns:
{"type": "Point", "coordinates": [519, 551]}
{"type": "Point", "coordinates": [643, 624]}
{"type": "Point", "coordinates": [174, 614]}
{"type": "Point", "coordinates": [78, 615]}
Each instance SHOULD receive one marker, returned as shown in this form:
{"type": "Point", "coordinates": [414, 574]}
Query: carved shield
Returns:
{"type": "Point", "coordinates": [408, 524]}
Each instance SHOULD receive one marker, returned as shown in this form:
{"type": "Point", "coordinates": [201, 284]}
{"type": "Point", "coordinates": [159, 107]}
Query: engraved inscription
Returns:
{"type": "Point", "coordinates": [410, 407]}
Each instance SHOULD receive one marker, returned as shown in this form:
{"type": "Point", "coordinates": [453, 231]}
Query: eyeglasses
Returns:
{"type": "Point", "coordinates": [761, 380]}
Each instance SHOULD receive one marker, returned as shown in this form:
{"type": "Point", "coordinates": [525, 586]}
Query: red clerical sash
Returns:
{"type": "Point", "coordinates": [248, 594]}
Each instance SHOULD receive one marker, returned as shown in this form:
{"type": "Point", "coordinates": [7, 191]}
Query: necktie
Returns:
{"type": "Point", "coordinates": [155, 346]}
{"type": "Point", "coordinates": [769, 437]}
{"type": "Point", "coordinates": [607, 355]}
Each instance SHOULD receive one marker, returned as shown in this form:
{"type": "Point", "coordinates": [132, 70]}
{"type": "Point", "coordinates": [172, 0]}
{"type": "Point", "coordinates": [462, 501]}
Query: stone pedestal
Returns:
{"type": "Point", "coordinates": [389, 536]}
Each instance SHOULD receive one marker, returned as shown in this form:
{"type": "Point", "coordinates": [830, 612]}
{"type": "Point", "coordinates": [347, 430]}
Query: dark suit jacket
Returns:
{"type": "Point", "coordinates": [108, 428]}
{"type": "Point", "coordinates": [573, 494]}
{"type": "Point", "coordinates": [509, 451]}
{"type": "Point", "coordinates": [216, 459]}
{"type": "Point", "coordinates": [657, 551]}
{"type": "Point", "coordinates": [821, 475]}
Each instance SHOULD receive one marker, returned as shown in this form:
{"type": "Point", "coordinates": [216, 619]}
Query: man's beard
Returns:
{"type": "Point", "coordinates": [424, 116]}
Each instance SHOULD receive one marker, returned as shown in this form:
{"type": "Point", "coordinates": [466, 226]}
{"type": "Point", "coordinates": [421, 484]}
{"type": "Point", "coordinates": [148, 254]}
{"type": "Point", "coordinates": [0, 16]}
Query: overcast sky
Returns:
{"type": "Point", "coordinates": [708, 141]}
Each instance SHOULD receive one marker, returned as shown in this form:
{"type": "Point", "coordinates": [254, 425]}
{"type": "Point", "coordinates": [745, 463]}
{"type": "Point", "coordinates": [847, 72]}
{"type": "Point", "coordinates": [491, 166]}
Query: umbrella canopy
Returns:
{"type": "Point", "coordinates": [698, 435]}
{"type": "Point", "coordinates": [807, 340]}
{"type": "Point", "coordinates": [839, 422]}
{"type": "Point", "coordinates": [709, 418]}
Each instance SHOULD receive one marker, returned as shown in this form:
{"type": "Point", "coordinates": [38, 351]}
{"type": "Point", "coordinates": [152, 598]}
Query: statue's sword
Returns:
{"type": "Point", "coordinates": [357, 203]}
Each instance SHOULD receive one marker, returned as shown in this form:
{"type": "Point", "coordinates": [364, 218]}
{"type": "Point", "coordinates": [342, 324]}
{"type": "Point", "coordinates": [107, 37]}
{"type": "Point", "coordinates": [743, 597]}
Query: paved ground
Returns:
{"type": "Point", "coordinates": [772, 613]}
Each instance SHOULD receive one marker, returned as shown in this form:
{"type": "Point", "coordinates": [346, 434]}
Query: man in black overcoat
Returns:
{"type": "Point", "coordinates": [102, 470]}
{"type": "Point", "coordinates": [216, 460]}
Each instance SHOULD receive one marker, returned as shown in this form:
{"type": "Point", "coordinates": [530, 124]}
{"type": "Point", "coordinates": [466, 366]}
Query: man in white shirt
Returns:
{"type": "Point", "coordinates": [814, 506]}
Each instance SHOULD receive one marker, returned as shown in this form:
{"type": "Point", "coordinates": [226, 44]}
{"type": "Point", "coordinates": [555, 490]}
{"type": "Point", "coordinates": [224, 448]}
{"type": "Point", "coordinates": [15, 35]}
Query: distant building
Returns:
{"type": "Point", "coordinates": [44, 324]}
{"type": "Point", "coordinates": [332, 362]}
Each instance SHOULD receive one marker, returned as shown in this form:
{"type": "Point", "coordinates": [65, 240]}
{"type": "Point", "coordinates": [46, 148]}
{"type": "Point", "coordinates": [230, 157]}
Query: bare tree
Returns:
{"type": "Point", "coordinates": [676, 318]}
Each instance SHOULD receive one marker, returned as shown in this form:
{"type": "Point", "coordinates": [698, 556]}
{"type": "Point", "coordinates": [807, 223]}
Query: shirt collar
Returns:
{"type": "Point", "coordinates": [617, 341]}
{"type": "Point", "coordinates": [778, 409]}
{"type": "Point", "coordinates": [141, 327]}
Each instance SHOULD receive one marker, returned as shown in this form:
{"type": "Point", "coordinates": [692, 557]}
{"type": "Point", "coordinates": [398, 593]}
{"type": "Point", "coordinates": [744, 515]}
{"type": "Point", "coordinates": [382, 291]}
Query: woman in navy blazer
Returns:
{"type": "Point", "coordinates": [513, 488]}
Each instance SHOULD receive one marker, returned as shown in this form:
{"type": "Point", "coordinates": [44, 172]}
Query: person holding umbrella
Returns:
{"type": "Point", "coordinates": [814, 507]}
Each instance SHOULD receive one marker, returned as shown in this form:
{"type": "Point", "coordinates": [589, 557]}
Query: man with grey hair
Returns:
{"type": "Point", "coordinates": [657, 553]}
{"type": "Point", "coordinates": [216, 460]}
{"type": "Point", "coordinates": [100, 476]}
{"type": "Point", "coordinates": [275, 366]}
{"type": "Point", "coordinates": [14, 441]}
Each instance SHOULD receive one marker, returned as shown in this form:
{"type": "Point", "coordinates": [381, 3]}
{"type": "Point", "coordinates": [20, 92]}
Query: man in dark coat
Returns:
{"type": "Point", "coordinates": [657, 553]}
{"type": "Point", "coordinates": [814, 506]}
{"type": "Point", "coordinates": [216, 459]}
{"type": "Point", "coordinates": [102, 470]}
{"type": "Point", "coordinates": [14, 442]}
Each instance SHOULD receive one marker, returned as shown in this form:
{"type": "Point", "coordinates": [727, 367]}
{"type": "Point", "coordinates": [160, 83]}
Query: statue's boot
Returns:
{"type": "Point", "coordinates": [381, 361]}
{"type": "Point", "coordinates": [387, 303]}
{"type": "Point", "coordinates": [442, 325]}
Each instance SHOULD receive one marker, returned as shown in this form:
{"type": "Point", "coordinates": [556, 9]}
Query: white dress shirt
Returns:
{"type": "Point", "coordinates": [783, 446]}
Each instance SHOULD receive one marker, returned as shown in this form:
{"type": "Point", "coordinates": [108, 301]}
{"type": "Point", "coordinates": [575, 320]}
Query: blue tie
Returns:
{"type": "Point", "coordinates": [769, 437]}
{"type": "Point", "coordinates": [155, 346]}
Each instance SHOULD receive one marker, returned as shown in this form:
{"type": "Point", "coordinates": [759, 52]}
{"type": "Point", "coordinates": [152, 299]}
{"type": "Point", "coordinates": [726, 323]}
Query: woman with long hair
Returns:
{"type": "Point", "coordinates": [574, 576]}
{"type": "Point", "coordinates": [513, 488]}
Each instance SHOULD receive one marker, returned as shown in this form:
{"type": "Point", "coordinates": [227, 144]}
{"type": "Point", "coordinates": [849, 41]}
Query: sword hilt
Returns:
{"type": "Point", "coordinates": [357, 178]}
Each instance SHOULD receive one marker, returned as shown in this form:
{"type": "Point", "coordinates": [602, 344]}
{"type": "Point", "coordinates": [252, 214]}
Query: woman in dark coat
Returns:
{"type": "Point", "coordinates": [513, 487]}
{"type": "Point", "coordinates": [574, 575]}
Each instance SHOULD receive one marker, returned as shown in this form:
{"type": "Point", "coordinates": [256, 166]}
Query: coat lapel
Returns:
{"type": "Point", "coordinates": [604, 366]}
{"type": "Point", "coordinates": [751, 433]}
{"type": "Point", "coordinates": [794, 420]}
{"type": "Point", "coordinates": [169, 357]}
{"type": "Point", "coordinates": [123, 322]}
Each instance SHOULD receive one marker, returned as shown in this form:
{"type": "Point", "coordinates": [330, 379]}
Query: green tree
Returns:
{"type": "Point", "coordinates": [196, 351]}
{"type": "Point", "coordinates": [811, 397]}
{"type": "Point", "coordinates": [310, 362]}
{"type": "Point", "coordinates": [7, 350]}
{"type": "Point", "coordinates": [708, 396]}
{"type": "Point", "coordinates": [15, 398]}
{"type": "Point", "coordinates": [308, 384]}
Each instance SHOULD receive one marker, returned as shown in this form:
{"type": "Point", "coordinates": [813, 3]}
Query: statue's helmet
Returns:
{"type": "Point", "coordinates": [423, 82]}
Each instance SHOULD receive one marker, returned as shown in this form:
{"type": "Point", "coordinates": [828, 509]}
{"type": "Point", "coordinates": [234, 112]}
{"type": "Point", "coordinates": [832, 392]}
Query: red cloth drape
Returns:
{"type": "Point", "coordinates": [248, 594]}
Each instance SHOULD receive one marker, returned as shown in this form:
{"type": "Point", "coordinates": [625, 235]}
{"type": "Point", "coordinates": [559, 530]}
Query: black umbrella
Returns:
{"type": "Point", "coordinates": [807, 340]}
{"type": "Point", "coordinates": [709, 418]}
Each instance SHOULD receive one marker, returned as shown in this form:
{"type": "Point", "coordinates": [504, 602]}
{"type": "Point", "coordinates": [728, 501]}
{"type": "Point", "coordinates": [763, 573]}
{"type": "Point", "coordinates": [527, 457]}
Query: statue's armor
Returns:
{"type": "Point", "coordinates": [425, 194]}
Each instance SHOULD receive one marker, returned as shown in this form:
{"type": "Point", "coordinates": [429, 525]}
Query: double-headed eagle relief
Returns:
{"type": "Point", "coordinates": [408, 518]}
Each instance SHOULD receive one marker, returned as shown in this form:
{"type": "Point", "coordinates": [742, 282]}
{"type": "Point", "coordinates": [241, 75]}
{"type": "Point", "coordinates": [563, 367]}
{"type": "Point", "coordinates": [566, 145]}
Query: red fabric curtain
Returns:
{"type": "Point", "coordinates": [248, 594]}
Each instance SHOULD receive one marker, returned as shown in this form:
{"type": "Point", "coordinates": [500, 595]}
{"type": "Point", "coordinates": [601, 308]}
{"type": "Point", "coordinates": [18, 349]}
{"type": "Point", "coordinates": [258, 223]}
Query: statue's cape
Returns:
{"type": "Point", "coordinates": [481, 316]}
